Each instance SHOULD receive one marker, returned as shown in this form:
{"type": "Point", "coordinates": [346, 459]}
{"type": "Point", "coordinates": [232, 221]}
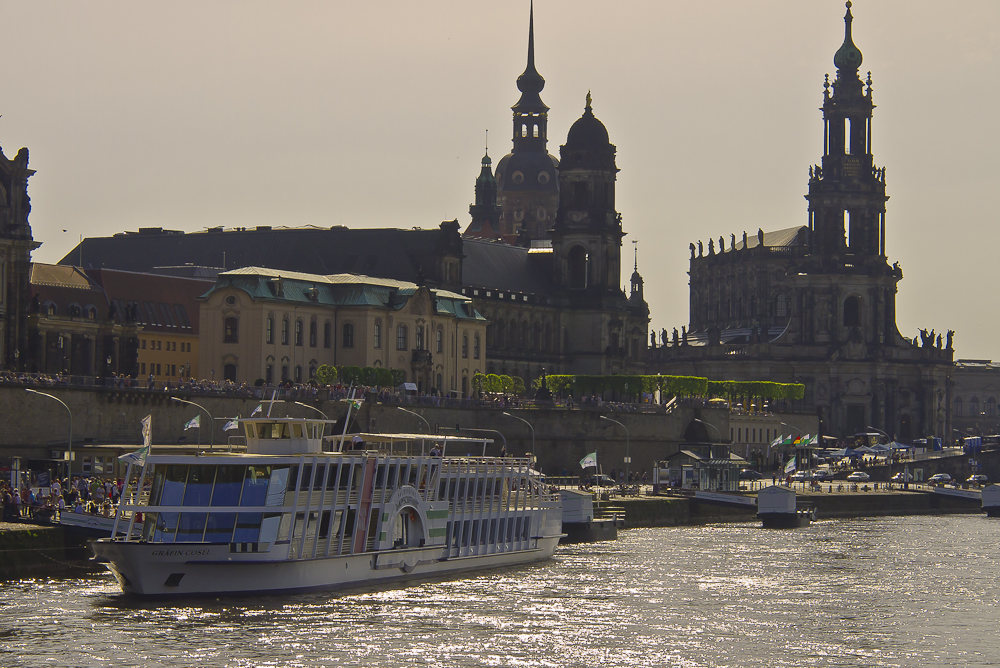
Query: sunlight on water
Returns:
{"type": "Point", "coordinates": [879, 592]}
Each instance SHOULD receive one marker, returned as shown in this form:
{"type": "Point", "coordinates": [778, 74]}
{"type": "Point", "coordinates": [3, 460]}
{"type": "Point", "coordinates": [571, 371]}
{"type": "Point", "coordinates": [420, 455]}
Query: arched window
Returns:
{"type": "Point", "coordinates": [525, 341]}
{"type": "Point", "coordinates": [269, 374]}
{"type": "Point", "coordinates": [781, 306]}
{"type": "Point", "coordinates": [852, 312]}
{"type": "Point", "coordinates": [230, 330]}
{"type": "Point", "coordinates": [312, 370]}
{"type": "Point", "coordinates": [973, 406]}
{"type": "Point", "coordinates": [465, 386]}
{"type": "Point", "coordinates": [440, 382]}
{"type": "Point", "coordinates": [578, 268]}
{"type": "Point", "coordinates": [536, 338]}
{"type": "Point", "coordinates": [439, 341]}
{"type": "Point", "coordinates": [229, 372]}
{"type": "Point", "coordinates": [269, 330]}
{"type": "Point", "coordinates": [347, 341]}
{"type": "Point", "coordinates": [420, 337]}
{"type": "Point", "coordinates": [465, 346]}
{"type": "Point", "coordinates": [284, 334]}
{"type": "Point", "coordinates": [401, 337]}
{"type": "Point", "coordinates": [498, 334]}
{"type": "Point", "coordinates": [298, 331]}
{"type": "Point", "coordinates": [548, 337]}
{"type": "Point", "coordinates": [284, 373]}
{"type": "Point", "coordinates": [377, 334]}
{"type": "Point", "coordinates": [312, 333]}
{"type": "Point", "coordinates": [475, 347]}
{"type": "Point", "coordinates": [958, 407]}
{"type": "Point", "coordinates": [512, 334]}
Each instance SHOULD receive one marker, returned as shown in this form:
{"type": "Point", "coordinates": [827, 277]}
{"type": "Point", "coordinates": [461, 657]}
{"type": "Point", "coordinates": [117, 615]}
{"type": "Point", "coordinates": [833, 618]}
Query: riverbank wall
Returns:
{"type": "Point", "coordinates": [28, 550]}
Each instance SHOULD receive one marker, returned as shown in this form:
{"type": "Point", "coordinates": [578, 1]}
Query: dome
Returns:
{"type": "Point", "coordinates": [848, 56]}
{"type": "Point", "coordinates": [533, 171]}
{"type": "Point", "coordinates": [588, 132]}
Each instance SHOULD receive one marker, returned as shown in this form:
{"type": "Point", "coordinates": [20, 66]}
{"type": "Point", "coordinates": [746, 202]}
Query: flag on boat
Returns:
{"type": "Point", "coordinates": [589, 460]}
{"type": "Point", "coordinates": [776, 442]}
{"type": "Point", "coordinates": [139, 456]}
{"type": "Point", "coordinates": [788, 441]}
{"type": "Point", "coordinates": [194, 422]}
{"type": "Point", "coordinates": [258, 410]}
{"type": "Point", "coordinates": [232, 424]}
{"type": "Point", "coordinates": [790, 466]}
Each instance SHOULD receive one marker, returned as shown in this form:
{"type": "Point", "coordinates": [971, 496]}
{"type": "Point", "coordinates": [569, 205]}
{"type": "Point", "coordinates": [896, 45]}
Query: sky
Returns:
{"type": "Point", "coordinates": [189, 115]}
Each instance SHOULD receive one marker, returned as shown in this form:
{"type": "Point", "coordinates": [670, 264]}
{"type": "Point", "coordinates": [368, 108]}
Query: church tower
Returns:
{"type": "Point", "coordinates": [485, 211]}
{"type": "Point", "coordinates": [587, 235]}
{"type": "Point", "coordinates": [16, 245]}
{"type": "Point", "coordinates": [528, 177]}
{"type": "Point", "coordinates": [847, 192]}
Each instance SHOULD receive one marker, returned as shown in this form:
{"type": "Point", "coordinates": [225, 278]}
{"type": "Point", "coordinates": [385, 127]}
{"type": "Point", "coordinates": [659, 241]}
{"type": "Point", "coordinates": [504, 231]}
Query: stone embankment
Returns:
{"type": "Point", "coordinates": [29, 550]}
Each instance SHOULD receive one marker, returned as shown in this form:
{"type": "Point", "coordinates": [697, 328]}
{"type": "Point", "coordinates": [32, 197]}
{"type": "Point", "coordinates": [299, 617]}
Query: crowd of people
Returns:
{"type": "Point", "coordinates": [80, 494]}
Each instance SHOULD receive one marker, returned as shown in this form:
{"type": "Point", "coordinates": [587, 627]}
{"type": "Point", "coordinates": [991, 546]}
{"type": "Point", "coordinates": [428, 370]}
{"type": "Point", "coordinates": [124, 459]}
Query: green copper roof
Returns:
{"type": "Point", "coordinates": [848, 56]}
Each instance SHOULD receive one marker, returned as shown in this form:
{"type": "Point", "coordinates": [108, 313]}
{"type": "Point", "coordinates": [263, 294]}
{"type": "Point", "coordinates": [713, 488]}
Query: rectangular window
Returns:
{"type": "Point", "coordinates": [173, 369]}
{"type": "Point", "coordinates": [230, 327]}
{"type": "Point", "coordinates": [157, 369]}
{"type": "Point", "coordinates": [465, 346]}
{"type": "Point", "coordinates": [348, 339]}
{"type": "Point", "coordinates": [401, 337]}
{"type": "Point", "coordinates": [143, 344]}
{"type": "Point", "coordinates": [312, 334]}
{"type": "Point", "coordinates": [298, 332]}
{"type": "Point", "coordinates": [284, 331]}
{"type": "Point", "coordinates": [159, 345]}
{"type": "Point", "coordinates": [142, 368]}
{"type": "Point", "coordinates": [269, 330]}
{"type": "Point", "coordinates": [377, 336]}
{"type": "Point", "coordinates": [327, 334]}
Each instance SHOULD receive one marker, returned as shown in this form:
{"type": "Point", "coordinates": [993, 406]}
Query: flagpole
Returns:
{"type": "Point", "coordinates": [211, 422]}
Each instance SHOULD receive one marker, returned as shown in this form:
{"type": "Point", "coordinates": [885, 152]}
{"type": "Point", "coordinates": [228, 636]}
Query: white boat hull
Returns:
{"type": "Point", "coordinates": [193, 569]}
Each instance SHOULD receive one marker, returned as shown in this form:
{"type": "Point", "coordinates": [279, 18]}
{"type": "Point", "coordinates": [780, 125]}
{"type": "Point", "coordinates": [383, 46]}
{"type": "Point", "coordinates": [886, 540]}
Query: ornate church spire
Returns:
{"type": "Point", "coordinates": [530, 113]}
{"type": "Point", "coordinates": [848, 57]}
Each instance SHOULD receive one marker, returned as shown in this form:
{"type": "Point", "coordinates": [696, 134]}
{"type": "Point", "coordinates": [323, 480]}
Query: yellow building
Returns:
{"type": "Point", "coordinates": [282, 326]}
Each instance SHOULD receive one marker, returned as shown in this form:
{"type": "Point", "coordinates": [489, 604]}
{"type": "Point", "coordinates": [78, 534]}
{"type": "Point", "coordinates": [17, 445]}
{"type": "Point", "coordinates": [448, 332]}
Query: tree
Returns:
{"type": "Point", "coordinates": [326, 374]}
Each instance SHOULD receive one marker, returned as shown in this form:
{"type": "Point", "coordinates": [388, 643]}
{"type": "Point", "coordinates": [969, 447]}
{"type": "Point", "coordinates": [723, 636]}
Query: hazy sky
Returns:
{"type": "Point", "coordinates": [189, 115]}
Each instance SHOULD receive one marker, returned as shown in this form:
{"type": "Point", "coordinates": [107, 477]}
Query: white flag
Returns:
{"type": "Point", "coordinates": [589, 460]}
{"type": "Point", "coordinates": [258, 410]}
{"type": "Point", "coordinates": [790, 466]}
{"type": "Point", "coordinates": [139, 456]}
{"type": "Point", "coordinates": [232, 424]}
{"type": "Point", "coordinates": [195, 422]}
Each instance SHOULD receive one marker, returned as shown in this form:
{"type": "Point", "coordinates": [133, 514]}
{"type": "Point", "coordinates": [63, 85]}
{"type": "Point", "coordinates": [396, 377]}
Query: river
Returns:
{"type": "Point", "coordinates": [894, 591]}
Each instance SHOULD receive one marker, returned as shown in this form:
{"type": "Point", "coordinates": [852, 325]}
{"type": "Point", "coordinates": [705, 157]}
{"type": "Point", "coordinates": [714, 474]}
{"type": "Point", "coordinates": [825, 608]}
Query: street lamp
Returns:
{"type": "Point", "coordinates": [628, 459]}
{"type": "Point", "coordinates": [400, 408]}
{"type": "Point", "coordinates": [299, 403]}
{"type": "Point", "coordinates": [70, 465]}
{"type": "Point", "coordinates": [532, 433]}
{"type": "Point", "coordinates": [492, 431]}
{"type": "Point", "coordinates": [211, 420]}
{"type": "Point", "coordinates": [707, 424]}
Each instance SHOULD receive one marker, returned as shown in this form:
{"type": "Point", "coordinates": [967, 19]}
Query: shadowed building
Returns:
{"type": "Point", "coordinates": [816, 304]}
{"type": "Point", "coordinates": [16, 245]}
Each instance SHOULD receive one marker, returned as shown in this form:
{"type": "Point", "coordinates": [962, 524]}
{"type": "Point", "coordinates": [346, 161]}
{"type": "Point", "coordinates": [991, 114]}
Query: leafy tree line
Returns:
{"type": "Point", "coordinates": [369, 375]}
{"type": "Point", "coordinates": [497, 384]}
{"type": "Point", "coordinates": [682, 386]}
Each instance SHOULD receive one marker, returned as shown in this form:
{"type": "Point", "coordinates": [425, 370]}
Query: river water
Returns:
{"type": "Point", "coordinates": [912, 591]}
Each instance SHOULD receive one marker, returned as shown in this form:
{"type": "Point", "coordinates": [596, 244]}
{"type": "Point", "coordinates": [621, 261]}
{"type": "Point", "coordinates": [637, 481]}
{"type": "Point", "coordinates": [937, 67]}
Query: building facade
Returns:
{"type": "Point", "coordinates": [281, 326]}
{"type": "Point", "coordinates": [815, 304]}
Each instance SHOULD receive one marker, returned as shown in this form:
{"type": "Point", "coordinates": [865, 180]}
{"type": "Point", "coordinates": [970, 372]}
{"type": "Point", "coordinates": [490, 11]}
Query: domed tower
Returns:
{"type": "Point", "coordinates": [485, 211]}
{"type": "Point", "coordinates": [587, 234]}
{"type": "Point", "coordinates": [847, 191]}
{"type": "Point", "coordinates": [528, 177]}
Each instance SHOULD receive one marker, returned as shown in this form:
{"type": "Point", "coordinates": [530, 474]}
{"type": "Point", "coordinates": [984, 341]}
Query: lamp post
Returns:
{"type": "Point", "coordinates": [400, 408]}
{"type": "Point", "coordinates": [299, 403]}
{"type": "Point", "coordinates": [707, 424]}
{"type": "Point", "coordinates": [628, 458]}
{"type": "Point", "coordinates": [492, 431]}
{"type": "Point", "coordinates": [532, 433]}
{"type": "Point", "coordinates": [211, 420]}
{"type": "Point", "coordinates": [70, 441]}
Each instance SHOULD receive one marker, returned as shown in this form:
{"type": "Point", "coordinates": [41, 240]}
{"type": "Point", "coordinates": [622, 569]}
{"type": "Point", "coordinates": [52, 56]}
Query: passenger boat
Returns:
{"type": "Point", "coordinates": [297, 511]}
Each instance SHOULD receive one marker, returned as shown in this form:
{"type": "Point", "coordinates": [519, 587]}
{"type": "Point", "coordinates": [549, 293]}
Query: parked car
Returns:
{"type": "Point", "coordinates": [977, 479]}
{"type": "Point", "coordinates": [799, 476]}
{"type": "Point", "coordinates": [939, 479]}
{"type": "Point", "coordinates": [750, 474]}
{"type": "Point", "coordinates": [822, 475]}
{"type": "Point", "coordinates": [902, 476]}
{"type": "Point", "coordinates": [859, 476]}
{"type": "Point", "coordinates": [601, 480]}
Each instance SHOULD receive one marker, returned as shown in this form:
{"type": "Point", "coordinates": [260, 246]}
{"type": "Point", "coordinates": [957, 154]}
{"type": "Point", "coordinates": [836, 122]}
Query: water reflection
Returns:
{"type": "Point", "coordinates": [880, 592]}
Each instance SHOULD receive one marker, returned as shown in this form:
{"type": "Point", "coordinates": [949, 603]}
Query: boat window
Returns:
{"type": "Point", "coordinates": [293, 478]}
{"type": "Point", "coordinates": [358, 477]}
{"type": "Point", "coordinates": [307, 472]}
{"type": "Point", "coordinates": [276, 486]}
{"type": "Point", "coordinates": [269, 527]}
{"type": "Point", "coordinates": [165, 527]}
{"type": "Point", "coordinates": [191, 526]}
{"type": "Point", "coordinates": [173, 485]}
{"type": "Point", "coordinates": [247, 528]}
{"type": "Point", "coordinates": [228, 481]}
{"type": "Point", "coordinates": [297, 430]}
{"type": "Point", "coordinates": [199, 485]}
{"type": "Point", "coordinates": [379, 476]}
{"type": "Point", "coordinates": [324, 524]}
{"type": "Point", "coordinates": [391, 481]}
{"type": "Point", "coordinates": [255, 486]}
{"type": "Point", "coordinates": [331, 480]}
{"type": "Point", "coordinates": [219, 528]}
{"type": "Point", "coordinates": [283, 527]}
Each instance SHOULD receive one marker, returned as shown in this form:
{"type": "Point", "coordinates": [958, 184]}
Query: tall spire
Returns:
{"type": "Point", "coordinates": [848, 57]}
{"type": "Point", "coordinates": [530, 83]}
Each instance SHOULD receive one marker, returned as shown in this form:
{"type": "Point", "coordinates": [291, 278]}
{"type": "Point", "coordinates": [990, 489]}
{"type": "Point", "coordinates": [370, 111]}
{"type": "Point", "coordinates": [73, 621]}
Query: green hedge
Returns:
{"type": "Point", "coordinates": [683, 386]}
{"type": "Point", "coordinates": [497, 384]}
{"type": "Point", "coordinates": [371, 376]}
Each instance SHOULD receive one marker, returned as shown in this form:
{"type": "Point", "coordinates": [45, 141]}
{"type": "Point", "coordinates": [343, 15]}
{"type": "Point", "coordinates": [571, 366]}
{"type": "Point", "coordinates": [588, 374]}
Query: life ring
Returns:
{"type": "Point", "coordinates": [413, 516]}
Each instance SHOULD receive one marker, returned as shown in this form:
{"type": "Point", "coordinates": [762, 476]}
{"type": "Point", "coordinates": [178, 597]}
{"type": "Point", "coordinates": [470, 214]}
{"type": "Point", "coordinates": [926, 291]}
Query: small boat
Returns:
{"type": "Point", "coordinates": [776, 508]}
{"type": "Point", "coordinates": [582, 522]}
{"type": "Point", "coordinates": [297, 511]}
{"type": "Point", "coordinates": [991, 500]}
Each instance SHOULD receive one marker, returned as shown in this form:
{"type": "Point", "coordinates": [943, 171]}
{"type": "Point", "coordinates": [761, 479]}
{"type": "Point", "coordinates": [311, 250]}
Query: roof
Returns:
{"type": "Point", "coordinates": [490, 264]}
{"type": "Point", "coordinates": [786, 238]}
{"type": "Point", "coordinates": [54, 275]}
{"type": "Point", "coordinates": [64, 287]}
{"type": "Point", "coordinates": [162, 303]}
{"type": "Point", "coordinates": [338, 290]}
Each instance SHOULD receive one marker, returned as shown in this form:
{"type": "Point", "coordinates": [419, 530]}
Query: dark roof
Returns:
{"type": "Point", "coordinates": [388, 253]}
{"type": "Point", "coordinates": [490, 264]}
{"type": "Point", "coordinates": [65, 286]}
{"type": "Point", "coordinates": [163, 303]}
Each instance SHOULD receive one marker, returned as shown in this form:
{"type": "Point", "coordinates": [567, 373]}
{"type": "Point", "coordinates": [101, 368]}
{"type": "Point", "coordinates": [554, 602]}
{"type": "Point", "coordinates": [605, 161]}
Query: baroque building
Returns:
{"type": "Point", "coordinates": [816, 304]}
{"type": "Point", "coordinates": [16, 245]}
